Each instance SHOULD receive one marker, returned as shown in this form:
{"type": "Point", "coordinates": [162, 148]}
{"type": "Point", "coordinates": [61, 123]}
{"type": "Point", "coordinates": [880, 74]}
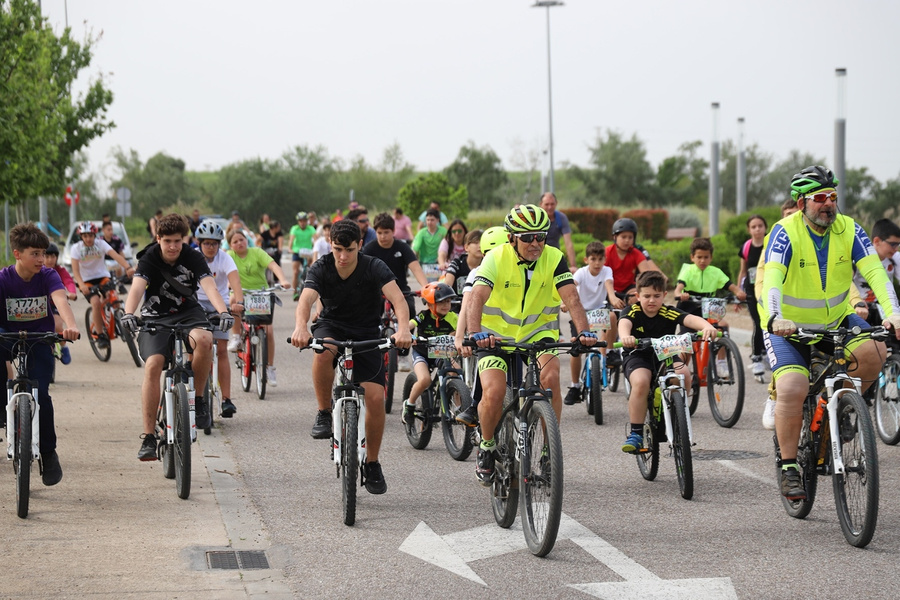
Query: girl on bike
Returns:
{"type": "Point", "coordinates": [453, 245]}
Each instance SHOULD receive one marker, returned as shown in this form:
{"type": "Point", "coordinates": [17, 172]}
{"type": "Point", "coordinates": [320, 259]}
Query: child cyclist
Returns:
{"type": "Point", "coordinates": [650, 318]}
{"type": "Point", "coordinates": [625, 260]}
{"type": "Point", "coordinates": [50, 261]}
{"type": "Point", "coordinates": [437, 320]}
{"type": "Point", "coordinates": [595, 286]}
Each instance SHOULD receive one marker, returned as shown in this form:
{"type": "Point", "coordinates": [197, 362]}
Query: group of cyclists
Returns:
{"type": "Point", "coordinates": [514, 281]}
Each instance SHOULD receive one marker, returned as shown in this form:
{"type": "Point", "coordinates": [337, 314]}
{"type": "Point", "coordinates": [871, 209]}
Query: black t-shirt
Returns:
{"type": "Point", "coordinates": [459, 268]}
{"type": "Point", "coordinates": [665, 322]}
{"type": "Point", "coordinates": [270, 240]}
{"type": "Point", "coordinates": [161, 297]}
{"type": "Point", "coordinates": [397, 258]}
{"type": "Point", "coordinates": [354, 304]}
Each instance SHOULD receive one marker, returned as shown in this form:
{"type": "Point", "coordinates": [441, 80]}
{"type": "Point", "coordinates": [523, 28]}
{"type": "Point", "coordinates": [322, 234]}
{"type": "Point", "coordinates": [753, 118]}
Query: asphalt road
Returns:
{"type": "Point", "coordinates": [115, 528]}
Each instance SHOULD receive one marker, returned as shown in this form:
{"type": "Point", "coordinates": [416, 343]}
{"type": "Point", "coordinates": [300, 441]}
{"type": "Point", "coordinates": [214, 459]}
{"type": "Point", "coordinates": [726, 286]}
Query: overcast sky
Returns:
{"type": "Point", "coordinates": [217, 82]}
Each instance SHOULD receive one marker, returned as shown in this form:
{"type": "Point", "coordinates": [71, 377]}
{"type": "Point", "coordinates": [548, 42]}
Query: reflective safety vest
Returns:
{"type": "Point", "coordinates": [512, 313]}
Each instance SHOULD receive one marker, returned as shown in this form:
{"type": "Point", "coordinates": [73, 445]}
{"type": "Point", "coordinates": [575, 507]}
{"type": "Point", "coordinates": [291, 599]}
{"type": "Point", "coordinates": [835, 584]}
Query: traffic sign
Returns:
{"type": "Point", "coordinates": [123, 194]}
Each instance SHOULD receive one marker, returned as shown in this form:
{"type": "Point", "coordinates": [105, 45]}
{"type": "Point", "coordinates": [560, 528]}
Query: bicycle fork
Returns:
{"type": "Point", "coordinates": [12, 400]}
{"type": "Point", "coordinates": [170, 409]}
{"type": "Point", "coordinates": [337, 428]}
{"type": "Point", "coordinates": [834, 425]}
{"type": "Point", "coordinates": [667, 416]}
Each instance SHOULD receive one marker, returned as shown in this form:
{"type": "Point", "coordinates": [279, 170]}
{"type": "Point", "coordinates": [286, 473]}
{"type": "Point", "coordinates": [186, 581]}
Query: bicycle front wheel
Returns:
{"type": "Point", "coordinates": [182, 448]}
{"type": "Point", "coordinates": [130, 339]}
{"type": "Point", "coordinates": [596, 391]}
{"type": "Point", "coordinates": [887, 401]}
{"type": "Point", "coordinates": [22, 454]}
{"type": "Point", "coordinates": [541, 480]}
{"type": "Point", "coordinates": [262, 361]}
{"type": "Point", "coordinates": [102, 353]}
{"type": "Point", "coordinates": [245, 361]}
{"type": "Point", "coordinates": [681, 445]}
{"type": "Point", "coordinates": [856, 490]}
{"type": "Point", "coordinates": [349, 460]}
{"type": "Point", "coordinates": [725, 389]}
{"type": "Point", "coordinates": [456, 434]}
{"type": "Point", "coordinates": [390, 373]}
{"type": "Point", "coordinates": [505, 488]}
{"type": "Point", "coordinates": [418, 427]}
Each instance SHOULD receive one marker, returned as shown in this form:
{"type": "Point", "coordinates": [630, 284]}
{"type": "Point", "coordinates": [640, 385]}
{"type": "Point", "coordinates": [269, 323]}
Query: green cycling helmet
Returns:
{"type": "Point", "coordinates": [493, 237]}
{"type": "Point", "coordinates": [527, 218]}
{"type": "Point", "coordinates": [812, 179]}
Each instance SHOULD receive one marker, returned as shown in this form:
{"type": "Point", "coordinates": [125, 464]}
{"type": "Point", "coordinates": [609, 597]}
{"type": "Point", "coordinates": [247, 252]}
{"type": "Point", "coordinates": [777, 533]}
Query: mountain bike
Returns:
{"type": "Point", "coordinates": [668, 418]}
{"type": "Point", "coordinates": [111, 313]}
{"type": "Point", "coordinates": [348, 412]}
{"type": "Point", "coordinates": [528, 466]}
{"type": "Point", "coordinates": [884, 393]}
{"type": "Point", "coordinates": [212, 391]}
{"type": "Point", "coordinates": [386, 328]}
{"type": "Point", "coordinates": [837, 439]}
{"type": "Point", "coordinates": [725, 390]}
{"type": "Point", "coordinates": [253, 351]}
{"type": "Point", "coordinates": [446, 397]}
{"type": "Point", "coordinates": [22, 415]}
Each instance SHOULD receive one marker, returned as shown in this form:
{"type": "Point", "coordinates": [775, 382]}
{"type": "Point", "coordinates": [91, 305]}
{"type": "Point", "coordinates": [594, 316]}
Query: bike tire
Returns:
{"type": "Point", "coordinates": [181, 449]}
{"type": "Point", "coordinates": [262, 361]}
{"type": "Point", "coordinates": [456, 435]}
{"type": "Point", "coordinates": [505, 488]}
{"type": "Point", "coordinates": [596, 391]}
{"type": "Point", "coordinates": [130, 339]}
{"type": "Point", "coordinates": [390, 372]}
{"type": "Point", "coordinates": [419, 428]}
{"type": "Point", "coordinates": [166, 456]}
{"type": "Point", "coordinates": [681, 445]}
{"type": "Point", "coordinates": [695, 384]}
{"type": "Point", "coordinates": [542, 485]}
{"type": "Point", "coordinates": [887, 402]}
{"type": "Point", "coordinates": [807, 458]}
{"type": "Point", "coordinates": [23, 458]}
{"type": "Point", "coordinates": [612, 377]}
{"type": "Point", "coordinates": [245, 363]}
{"type": "Point", "coordinates": [349, 461]}
{"type": "Point", "coordinates": [726, 390]}
{"type": "Point", "coordinates": [648, 460]}
{"type": "Point", "coordinates": [856, 490]}
{"type": "Point", "coordinates": [101, 353]}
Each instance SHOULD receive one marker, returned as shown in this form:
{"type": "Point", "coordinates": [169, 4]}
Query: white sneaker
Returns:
{"type": "Point", "coordinates": [758, 368]}
{"type": "Point", "coordinates": [768, 417]}
{"type": "Point", "coordinates": [270, 376]}
{"type": "Point", "coordinates": [722, 367]}
{"type": "Point", "coordinates": [234, 342]}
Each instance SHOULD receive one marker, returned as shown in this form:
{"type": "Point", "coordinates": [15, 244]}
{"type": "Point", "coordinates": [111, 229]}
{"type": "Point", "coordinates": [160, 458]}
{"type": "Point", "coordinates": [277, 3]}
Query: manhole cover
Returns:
{"type": "Point", "coordinates": [724, 455]}
{"type": "Point", "coordinates": [244, 559]}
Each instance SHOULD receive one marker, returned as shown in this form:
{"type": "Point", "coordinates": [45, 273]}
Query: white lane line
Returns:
{"type": "Point", "coordinates": [744, 471]}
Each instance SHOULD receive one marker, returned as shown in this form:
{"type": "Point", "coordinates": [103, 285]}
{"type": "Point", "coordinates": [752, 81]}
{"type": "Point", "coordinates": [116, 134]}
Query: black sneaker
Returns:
{"type": "Point", "coordinates": [573, 396]}
{"type": "Point", "coordinates": [613, 358]}
{"type": "Point", "coordinates": [122, 289]}
{"type": "Point", "coordinates": [52, 472]}
{"type": "Point", "coordinates": [792, 485]}
{"type": "Point", "coordinates": [102, 341]}
{"type": "Point", "coordinates": [408, 415]}
{"type": "Point", "coordinates": [373, 478]}
{"type": "Point", "coordinates": [469, 416]}
{"type": "Point", "coordinates": [148, 447]}
{"type": "Point", "coordinates": [322, 428]}
{"type": "Point", "coordinates": [202, 418]}
{"type": "Point", "coordinates": [484, 467]}
{"type": "Point", "coordinates": [228, 408]}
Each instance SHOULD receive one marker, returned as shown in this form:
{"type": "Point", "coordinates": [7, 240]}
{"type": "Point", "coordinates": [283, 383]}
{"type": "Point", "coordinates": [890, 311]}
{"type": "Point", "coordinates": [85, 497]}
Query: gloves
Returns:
{"type": "Point", "coordinates": [130, 323]}
{"type": "Point", "coordinates": [588, 334]}
{"type": "Point", "coordinates": [226, 321]}
{"type": "Point", "coordinates": [481, 335]}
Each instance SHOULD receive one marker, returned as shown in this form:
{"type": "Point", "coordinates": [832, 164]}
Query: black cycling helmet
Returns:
{"type": "Point", "coordinates": [52, 249]}
{"type": "Point", "coordinates": [625, 225]}
{"type": "Point", "coordinates": [437, 292]}
{"type": "Point", "coordinates": [812, 179]}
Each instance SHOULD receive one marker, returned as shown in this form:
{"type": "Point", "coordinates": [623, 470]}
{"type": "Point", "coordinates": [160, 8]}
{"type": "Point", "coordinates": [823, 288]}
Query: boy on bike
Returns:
{"type": "Point", "coordinates": [650, 318]}
{"type": "Point", "coordinates": [301, 243]}
{"type": "Point", "coordinates": [170, 271]}
{"type": "Point", "coordinates": [28, 290]}
{"type": "Point", "coordinates": [351, 287]}
{"type": "Point", "coordinates": [625, 260]}
{"type": "Point", "coordinates": [397, 255]}
{"type": "Point", "coordinates": [50, 261]}
{"type": "Point", "coordinates": [437, 320]}
{"type": "Point", "coordinates": [89, 269]}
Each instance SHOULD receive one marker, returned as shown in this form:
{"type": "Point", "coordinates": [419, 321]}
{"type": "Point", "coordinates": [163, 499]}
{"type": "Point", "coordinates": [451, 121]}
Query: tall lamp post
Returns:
{"type": "Point", "coordinates": [840, 136]}
{"type": "Point", "coordinates": [548, 4]}
{"type": "Point", "coordinates": [714, 174]}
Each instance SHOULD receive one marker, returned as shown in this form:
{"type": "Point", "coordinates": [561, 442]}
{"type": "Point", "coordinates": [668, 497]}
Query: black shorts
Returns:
{"type": "Point", "coordinates": [161, 342]}
{"type": "Point", "coordinates": [98, 281]}
{"type": "Point", "coordinates": [645, 359]}
{"type": "Point", "coordinates": [368, 367]}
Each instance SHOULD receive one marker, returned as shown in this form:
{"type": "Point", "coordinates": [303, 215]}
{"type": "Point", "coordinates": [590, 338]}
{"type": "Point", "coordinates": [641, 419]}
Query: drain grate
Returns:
{"type": "Point", "coordinates": [230, 559]}
{"type": "Point", "coordinates": [724, 455]}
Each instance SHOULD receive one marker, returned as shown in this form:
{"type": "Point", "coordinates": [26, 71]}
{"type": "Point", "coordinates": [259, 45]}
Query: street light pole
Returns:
{"type": "Point", "coordinates": [548, 4]}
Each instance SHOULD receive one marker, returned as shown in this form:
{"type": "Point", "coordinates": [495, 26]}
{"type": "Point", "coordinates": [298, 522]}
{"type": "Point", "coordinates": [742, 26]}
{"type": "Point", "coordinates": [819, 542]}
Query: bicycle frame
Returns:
{"type": "Point", "coordinates": [345, 391]}
{"type": "Point", "coordinates": [667, 381]}
{"type": "Point", "coordinates": [12, 400]}
{"type": "Point", "coordinates": [180, 369]}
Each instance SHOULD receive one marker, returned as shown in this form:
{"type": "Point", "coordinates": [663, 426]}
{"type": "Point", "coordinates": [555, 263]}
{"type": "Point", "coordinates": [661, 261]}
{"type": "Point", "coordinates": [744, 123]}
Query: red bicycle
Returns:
{"type": "Point", "coordinates": [253, 351]}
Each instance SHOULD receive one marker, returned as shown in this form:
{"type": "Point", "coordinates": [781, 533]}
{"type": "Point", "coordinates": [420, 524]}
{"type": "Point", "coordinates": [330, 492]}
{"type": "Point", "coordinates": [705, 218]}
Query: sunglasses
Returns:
{"type": "Point", "coordinates": [532, 237]}
{"type": "Point", "coordinates": [362, 220]}
{"type": "Point", "coordinates": [457, 231]}
{"type": "Point", "coordinates": [822, 197]}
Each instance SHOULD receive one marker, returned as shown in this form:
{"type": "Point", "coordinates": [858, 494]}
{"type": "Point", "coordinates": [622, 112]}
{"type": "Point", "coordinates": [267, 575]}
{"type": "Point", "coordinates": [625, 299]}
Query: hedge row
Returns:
{"type": "Point", "coordinates": [653, 224]}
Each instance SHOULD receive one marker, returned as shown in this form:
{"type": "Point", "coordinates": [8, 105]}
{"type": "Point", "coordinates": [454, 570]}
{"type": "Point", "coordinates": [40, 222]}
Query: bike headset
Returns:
{"type": "Point", "coordinates": [434, 293]}
{"type": "Point", "coordinates": [526, 218]}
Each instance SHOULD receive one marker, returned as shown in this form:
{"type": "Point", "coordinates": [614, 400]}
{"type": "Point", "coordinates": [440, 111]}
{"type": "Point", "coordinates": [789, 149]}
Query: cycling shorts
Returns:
{"type": "Point", "coordinates": [368, 367]}
{"type": "Point", "coordinates": [644, 359]}
{"type": "Point", "coordinates": [98, 281]}
{"type": "Point", "coordinates": [791, 356]}
{"type": "Point", "coordinates": [161, 342]}
{"type": "Point", "coordinates": [494, 358]}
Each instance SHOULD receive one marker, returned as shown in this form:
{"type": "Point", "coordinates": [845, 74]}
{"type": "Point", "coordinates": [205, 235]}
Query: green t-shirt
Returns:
{"type": "Point", "coordinates": [252, 268]}
{"type": "Point", "coordinates": [703, 283]}
{"type": "Point", "coordinates": [426, 245]}
{"type": "Point", "coordinates": [303, 238]}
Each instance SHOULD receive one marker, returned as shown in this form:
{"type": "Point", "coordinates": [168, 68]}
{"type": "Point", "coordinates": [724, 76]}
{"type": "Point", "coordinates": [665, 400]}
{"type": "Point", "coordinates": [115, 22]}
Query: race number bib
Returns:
{"type": "Point", "coordinates": [305, 252]}
{"type": "Point", "coordinates": [441, 346]}
{"type": "Point", "coordinates": [257, 305]}
{"type": "Point", "coordinates": [26, 309]}
{"type": "Point", "coordinates": [598, 319]}
{"type": "Point", "coordinates": [713, 309]}
{"type": "Point", "coordinates": [672, 345]}
{"type": "Point", "coordinates": [432, 272]}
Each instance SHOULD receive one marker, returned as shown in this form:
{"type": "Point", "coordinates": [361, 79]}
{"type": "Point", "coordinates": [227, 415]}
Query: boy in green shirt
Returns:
{"type": "Point", "coordinates": [428, 239]}
{"type": "Point", "coordinates": [301, 243]}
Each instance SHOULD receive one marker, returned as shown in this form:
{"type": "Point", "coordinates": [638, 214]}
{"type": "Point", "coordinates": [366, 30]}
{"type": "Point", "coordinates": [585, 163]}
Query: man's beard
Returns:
{"type": "Point", "coordinates": [822, 220]}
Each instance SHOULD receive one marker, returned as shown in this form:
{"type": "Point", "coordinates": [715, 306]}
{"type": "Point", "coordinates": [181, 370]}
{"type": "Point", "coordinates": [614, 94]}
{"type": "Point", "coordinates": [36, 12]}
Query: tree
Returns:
{"type": "Point", "coordinates": [159, 184]}
{"type": "Point", "coordinates": [761, 189]}
{"type": "Point", "coordinates": [415, 196]}
{"type": "Point", "coordinates": [682, 179]}
{"type": "Point", "coordinates": [481, 171]}
{"type": "Point", "coordinates": [885, 203]}
{"type": "Point", "coordinates": [621, 175]}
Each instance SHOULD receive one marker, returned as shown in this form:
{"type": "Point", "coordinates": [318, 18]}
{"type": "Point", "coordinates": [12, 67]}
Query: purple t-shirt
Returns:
{"type": "Point", "coordinates": [27, 304]}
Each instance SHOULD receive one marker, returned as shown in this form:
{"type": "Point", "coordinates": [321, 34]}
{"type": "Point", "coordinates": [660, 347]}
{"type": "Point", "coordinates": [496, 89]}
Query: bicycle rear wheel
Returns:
{"type": "Point", "coordinates": [390, 372]}
{"type": "Point", "coordinates": [130, 339]}
{"type": "Point", "coordinates": [262, 360]}
{"type": "Point", "coordinates": [887, 401]}
{"type": "Point", "coordinates": [349, 460]}
{"type": "Point", "coordinates": [22, 453]}
{"type": "Point", "coordinates": [102, 353]}
{"type": "Point", "coordinates": [596, 391]}
{"type": "Point", "coordinates": [542, 481]}
{"type": "Point", "coordinates": [456, 435]}
{"type": "Point", "coordinates": [856, 490]}
{"type": "Point", "coordinates": [245, 362]}
{"type": "Point", "coordinates": [182, 447]}
{"type": "Point", "coordinates": [505, 488]}
{"type": "Point", "coordinates": [418, 429]}
{"type": "Point", "coordinates": [681, 445]}
{"type": "Point", "coordinates": [807, 459]}
{"type": "Point", "coordinates": [725, 390]}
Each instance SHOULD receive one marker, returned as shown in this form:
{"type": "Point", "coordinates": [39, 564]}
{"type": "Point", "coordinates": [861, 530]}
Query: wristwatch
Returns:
{"type": "Point", "coordinates": [860, 305]}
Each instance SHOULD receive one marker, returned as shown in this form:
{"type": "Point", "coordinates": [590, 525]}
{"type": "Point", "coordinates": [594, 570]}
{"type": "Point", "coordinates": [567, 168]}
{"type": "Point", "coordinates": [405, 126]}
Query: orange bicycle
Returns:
{"type": "Point", "coordinates": [111, 313]}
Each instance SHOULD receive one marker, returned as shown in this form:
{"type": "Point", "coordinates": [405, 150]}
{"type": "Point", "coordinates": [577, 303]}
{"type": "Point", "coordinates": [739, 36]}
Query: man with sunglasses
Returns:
{"type": "Point", "coordinates": [516, 296]}
{"type": "Point", "coordinates": [810, 257]}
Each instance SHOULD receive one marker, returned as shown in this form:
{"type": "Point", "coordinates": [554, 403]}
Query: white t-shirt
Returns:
{"type": "Point", "coordinates": [470, 280]}
{"type": "Point", "coordinates": [92, 259]}
{"type": "Point", "coordinates": [321, 247]}
{"type": "Point", "coordinates": [221, 267]}
{"type": "Point", "coordinates": [891, 265]}
{"type": "Point", "coordinates": [592, 289]}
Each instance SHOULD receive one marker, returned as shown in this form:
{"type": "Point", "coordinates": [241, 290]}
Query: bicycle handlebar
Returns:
{"type": "Point", "coordinates": [648, 342]}
{"type": "Point", "coordinates": [575, 348]}
{"type": "Point", "coordinates": [47, 337]}
{"type": "Point", "coordinates": [840, 333]}
{"type": "Point", "coordinates": [318, 344]}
